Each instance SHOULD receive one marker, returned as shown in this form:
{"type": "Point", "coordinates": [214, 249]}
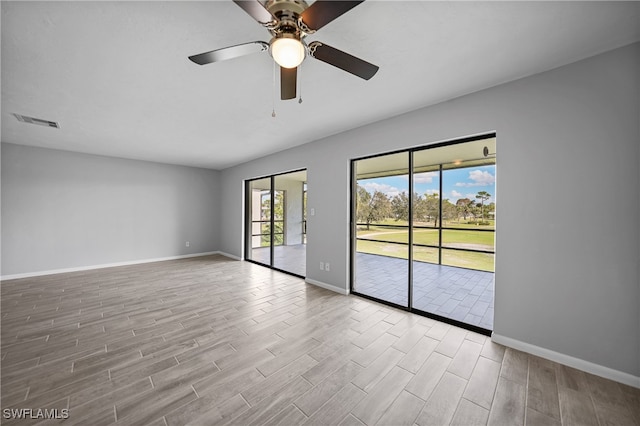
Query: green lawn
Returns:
{"type": "Point", "coordinates": [464, 259]}
{"type": "Point", "coordinates": [468, 259]}
{"type": "Point", "coordinates": [478, 240]}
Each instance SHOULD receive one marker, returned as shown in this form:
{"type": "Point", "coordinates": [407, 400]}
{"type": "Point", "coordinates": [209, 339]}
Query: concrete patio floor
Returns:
{"type": "Point", "coordinates": [464, 295]}
{"type": "Point", "coordinates": [291, 258]}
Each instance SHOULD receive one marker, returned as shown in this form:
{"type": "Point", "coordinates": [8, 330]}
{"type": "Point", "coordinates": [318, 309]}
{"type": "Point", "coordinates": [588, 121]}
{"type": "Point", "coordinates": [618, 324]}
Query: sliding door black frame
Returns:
{"type": "Point", "coordinates": [353, 231]}
{"type": "Point", "coordinates": [248, 228]}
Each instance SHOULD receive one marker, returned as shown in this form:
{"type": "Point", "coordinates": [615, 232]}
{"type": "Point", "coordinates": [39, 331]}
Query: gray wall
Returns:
{"type": "Point", "coordinates": [568, 239]}
{"type": "Point", "coordinates": [68, 210]}
{"type": "Point", "coordinates": [567, 277]}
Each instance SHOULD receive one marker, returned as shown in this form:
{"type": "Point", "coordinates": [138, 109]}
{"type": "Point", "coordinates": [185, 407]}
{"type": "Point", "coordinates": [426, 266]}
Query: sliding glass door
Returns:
{"type": "Point", "coordinates": [289, 249]}
{"type": "Point", "coordinates": [382, 228]}
{"type": "Point", "coordinates": [432, 251]}
{"type": "Point", "coordinates": [259, 220]}
{"type": "Point", "coordinates": [275, 221]}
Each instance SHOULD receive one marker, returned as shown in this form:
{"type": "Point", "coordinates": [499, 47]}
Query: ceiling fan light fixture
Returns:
{"type": "Point", "coordinates": [287, 51]}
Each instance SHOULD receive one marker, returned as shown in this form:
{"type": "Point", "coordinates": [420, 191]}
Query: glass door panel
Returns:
{"type": "Point", "coordinates": [426, 228]}
{"type": "Point", "coordinates": [259, 223]}
{"type": "Point", "coordinates": [454, 218]}
{"type": "Point", "coordinates": [426, 208]}
{"type": "Point", "coordinates": [289, 238]}
{"type": "Point", "coordinates": [381, 217]}
{"type": "Point", "coordinates": [470, 230]}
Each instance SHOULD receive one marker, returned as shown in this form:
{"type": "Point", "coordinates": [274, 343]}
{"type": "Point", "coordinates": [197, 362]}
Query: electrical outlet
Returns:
{"type": "Point", "coordinates": [327, 267]}
{"type": "Point", "coordinates": [186, 244]}
{"type": "Point", "coordinates": [322, 266]}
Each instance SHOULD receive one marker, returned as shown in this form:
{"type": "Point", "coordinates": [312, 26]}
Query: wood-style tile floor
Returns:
{"type": "Point", "coordinates": [215, 341]}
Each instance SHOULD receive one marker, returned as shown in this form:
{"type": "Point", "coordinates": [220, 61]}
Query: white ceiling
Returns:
{"type": "Point", "coordinates": [115, 75]}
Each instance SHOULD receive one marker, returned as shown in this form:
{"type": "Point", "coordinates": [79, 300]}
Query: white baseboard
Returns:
{"type": "Point", "coordinates": [230, 256]}
{"type": "Point", "coordinates": [107, 265]}
{"type": "Point", "coordinates": [327, 286]}
{"type": "Point", "coordinates": [580, 364]}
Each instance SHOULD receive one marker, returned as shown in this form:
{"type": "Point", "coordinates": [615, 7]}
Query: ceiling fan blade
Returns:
{"type": "Point", "coordinates": [342, 60]}
{"type": "Point", "coordinates": [288, 80]}
{"type": "Point", "coordinates": [229, 52]}
{"type": "Point", "coordinates": [256, 10]}
{"type": "Point", "coordinates": [322, 12]}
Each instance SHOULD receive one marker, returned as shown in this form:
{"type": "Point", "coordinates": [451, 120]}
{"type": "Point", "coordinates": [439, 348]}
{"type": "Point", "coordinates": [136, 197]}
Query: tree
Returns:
{"type": "Point", "coordinates": [419, 208]}
{"type": "Point", "coordinates": [278, 205]}
{"type": "Point", "coordinates": [432, 207]}
{"type": "Point", "coordinates": [278, 217]}
{"type": "Point", "coordinates": [400, 206]}
{"type": "Point", "coordinates": [491, 208]}
{"type": "Point", "coordinates": [464, 206]}
{"type": "Point", "coordinates": [362, 204]}
{"type": "Point", "coordinates": [449, 211]}
{"type": "Point", "coordinates": [380, 207]}
{"type": "Point", "coordinates": [482, 196]}
{"type": "Point", "coordinates": [371, 208]}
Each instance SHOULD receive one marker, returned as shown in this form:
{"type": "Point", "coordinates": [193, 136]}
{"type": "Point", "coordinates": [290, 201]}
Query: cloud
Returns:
{"type": "Point", "coordinates": [391, 191]}
{"type": "Point", "coordinates": [479, 178]}
{"type": "Point", "coordinates": [455, 193]}
{"type": "Point", "coordinates": [426, 177]}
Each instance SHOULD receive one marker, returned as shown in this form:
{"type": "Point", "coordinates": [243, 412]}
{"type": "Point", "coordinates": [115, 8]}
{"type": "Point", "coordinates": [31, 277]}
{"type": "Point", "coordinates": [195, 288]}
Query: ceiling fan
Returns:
{"type": "Point", "coordinates": [289, 22]}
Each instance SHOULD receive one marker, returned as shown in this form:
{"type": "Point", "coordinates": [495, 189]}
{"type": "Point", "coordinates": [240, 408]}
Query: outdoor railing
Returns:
{"type": "Point", "coordinates": [440, 245]}
{"type": "Point", "coordinates": [448, 228]}
{"type": "Point", "coordinates": [263, 234]}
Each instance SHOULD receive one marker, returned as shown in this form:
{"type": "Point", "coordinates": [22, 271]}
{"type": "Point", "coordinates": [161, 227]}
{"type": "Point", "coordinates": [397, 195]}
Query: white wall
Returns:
{"type": "Point", "coordinates": [65, 210]}
{"type": "Point", "coordinates": [568, 239]}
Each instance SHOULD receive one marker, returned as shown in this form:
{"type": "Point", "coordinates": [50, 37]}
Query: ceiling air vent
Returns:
{"type": "Point", "coordinates": [38, 121]}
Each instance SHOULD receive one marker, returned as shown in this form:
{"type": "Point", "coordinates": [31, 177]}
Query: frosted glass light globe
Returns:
{"type": "Point", "coordinates": [287, 52]}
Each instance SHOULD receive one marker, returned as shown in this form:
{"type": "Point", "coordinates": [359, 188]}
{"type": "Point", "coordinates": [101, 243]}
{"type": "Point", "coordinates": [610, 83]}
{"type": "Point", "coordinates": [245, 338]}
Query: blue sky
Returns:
{"type": "Point", "coordinates": [457, 183]}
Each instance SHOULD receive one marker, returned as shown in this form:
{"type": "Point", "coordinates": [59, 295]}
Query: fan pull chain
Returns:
{"type": "Point", "coordinates": [299, 85]}
{"type": "Point", "coordinates": [273, 92]}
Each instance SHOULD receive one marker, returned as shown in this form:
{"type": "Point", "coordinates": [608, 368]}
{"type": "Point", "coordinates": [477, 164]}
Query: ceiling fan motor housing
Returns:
{"type": "Point", "coordinates": [287, 13]}
{"type": "Point", "coordinates": [278, 6]}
